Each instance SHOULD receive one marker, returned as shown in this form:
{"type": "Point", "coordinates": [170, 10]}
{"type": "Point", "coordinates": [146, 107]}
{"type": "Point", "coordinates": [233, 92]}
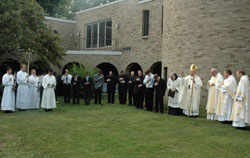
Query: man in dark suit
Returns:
{"type": "Point", "coordinates": [111, 86]}
{"type": "Point", "coordinates": [160, 86]}
{"type": "Point", "coordinates": [87, 82]}
{"type": "Point", "coordinates": [139, 90]}
{"type": "Point", "coordinates": [131, 85]}
{"type": "Point", "coordinates": [76, 80]}
{"type": "Point", "coordinates": [99, 81]}
{"type": "Point", "coordinates": [122, 87]}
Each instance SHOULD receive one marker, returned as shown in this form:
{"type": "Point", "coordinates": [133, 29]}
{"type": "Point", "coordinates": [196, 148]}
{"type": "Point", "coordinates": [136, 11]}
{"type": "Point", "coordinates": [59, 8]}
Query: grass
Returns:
{"type": "Point", "coordinates": [108, 131]}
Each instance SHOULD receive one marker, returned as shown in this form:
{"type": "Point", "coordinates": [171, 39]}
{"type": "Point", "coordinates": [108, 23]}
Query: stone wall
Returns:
{"type": "Point", "coordinates": [208, 33]}
{"type": "Point", "coordinates": [128, 14]}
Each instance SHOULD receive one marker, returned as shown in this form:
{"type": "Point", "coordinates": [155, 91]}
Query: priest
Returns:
{"type": "Point", "coordinates": [190, 94]}
{"type": "Point", "coordinates": [213, 87]}
{"type": "Point", "coordinates": [241, 110]}
{"type": "Point", "coordinates": [23, 98]}
{"type": "Point", "coordinates": [122, 87]}
{"type": "Point", "coordinates": [49, 84]}
{"type": "Point", "coordinates": [226, 97]}
{"type": "Point", "coordinates": [111, 87]}
{"type": "Point", "coordinates": [34, 86]}
{"type": "Point", "coordinates": [8, 99]}
{"type": "Point", "coordinates": [139, 90]}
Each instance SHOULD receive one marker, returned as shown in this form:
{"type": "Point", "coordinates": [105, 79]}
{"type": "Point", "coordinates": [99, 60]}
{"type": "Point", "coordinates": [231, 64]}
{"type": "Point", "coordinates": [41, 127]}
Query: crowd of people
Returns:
{"type": "Point", "coordinates": [227, 102]}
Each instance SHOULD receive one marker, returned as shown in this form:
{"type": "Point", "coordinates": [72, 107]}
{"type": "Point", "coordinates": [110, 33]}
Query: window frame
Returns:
{"type": "Point", "coordinates": [98, 34]}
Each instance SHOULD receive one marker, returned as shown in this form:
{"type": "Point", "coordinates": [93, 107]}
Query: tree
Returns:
{"type": "Point", "coordinates": [68, 8]}
{"type": "Point", "coordinates": [78, 5]}
{"type": "Point", "coordinates": [57, 8]}
{"type": "Point", "coordinates": [22, 26]}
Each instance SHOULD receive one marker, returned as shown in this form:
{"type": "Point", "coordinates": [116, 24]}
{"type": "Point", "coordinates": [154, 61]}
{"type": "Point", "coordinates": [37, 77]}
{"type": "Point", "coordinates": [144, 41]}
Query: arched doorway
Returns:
{"type": "Point", "coordinates": [156, 68]}
{"type": "Point", "coordinates": [40, 66]}
{"type": "Point", "coordinates": [70, 65]}
{"type": "Point", "coordinates": [14, 64]}
{"type": "Point", "coordinates": [106, 67]}
{"type": "Point", "coordinates": [133, 67]}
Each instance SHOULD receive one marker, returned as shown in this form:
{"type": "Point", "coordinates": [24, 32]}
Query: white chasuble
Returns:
{"type": "Point", "coordinates": [213, 95]}
{"type": "Point", "coordinates": [226, 99]}
{"type": "Point", "coordinates": [241, 111]}
{"type": "Point", "coordinates": [189, 100]}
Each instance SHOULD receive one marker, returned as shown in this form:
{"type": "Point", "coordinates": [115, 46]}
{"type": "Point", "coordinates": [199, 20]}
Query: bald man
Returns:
{"type": "Point", "coordinates": [213, 87]}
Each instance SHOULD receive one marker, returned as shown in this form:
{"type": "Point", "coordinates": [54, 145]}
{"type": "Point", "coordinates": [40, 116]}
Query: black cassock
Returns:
{"type": "Point", "coordinates": [122, 88]}
{"type": "Point", "coordinates": [111, 86]}
{"type": "Point", "coordinates": [87, 89]}
{"type": "Point", "coordinates": [159, 94]}
{"type": "Point", "coordinates": [139, 91]}
{"type": "Point", "coordinates": [76, 80]}
{"type": "Point", "coordinates": [131, 88]}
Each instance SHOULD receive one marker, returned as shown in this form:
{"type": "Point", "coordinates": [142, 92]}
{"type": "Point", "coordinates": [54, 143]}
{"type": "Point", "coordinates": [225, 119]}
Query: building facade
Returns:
{"type": "Point", "coordinates": [121, 35]}
{"type": "Point", "coordinates": [208, 34]}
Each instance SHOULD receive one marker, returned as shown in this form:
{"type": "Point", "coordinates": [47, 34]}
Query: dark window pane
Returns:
{"type": "Point", "coordinates": [88, 36]}
{"type": "Point", "coordinates": [102, 34]}
{"type": "Point", "coordinates": [94, 35]}
{"type": "Point", "coordinates": [145, 25]}
{"type": "Point", "coordinates": [108, 33]}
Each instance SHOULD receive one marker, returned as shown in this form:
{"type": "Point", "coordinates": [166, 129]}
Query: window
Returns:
{"type": "Point", "coordinates": [145, 23]}
{"type": "Point", "coordinates": [99, 34]}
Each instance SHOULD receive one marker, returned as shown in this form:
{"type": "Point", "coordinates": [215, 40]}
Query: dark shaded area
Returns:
{"type": "Point", "coordinates": [133, 67]}
{"type": "Point", "coordinates": [15, 65]}
{"type": "Point", "coordinates": [69, 66]}
{"type": "Point", "coordinates": [106, 67]}
{"type": "Point", "coordinates": [156, 68]}
{"type": "Point", "coordinates": [40, 66]}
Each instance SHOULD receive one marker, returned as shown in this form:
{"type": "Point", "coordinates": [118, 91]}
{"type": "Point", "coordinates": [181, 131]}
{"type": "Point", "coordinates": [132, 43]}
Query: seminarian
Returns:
{"type": "Point", "coordinates": [49, 99]}
{"type": "Point", "coordinates": [111, 87]}
{"type": "Point", "coordinates": [139, 90]}
{"type": "Point", "coordinates": [131, 85]}
{"type": "Point", "coordinates": [149, 92]}
{"type": "Point", "coordinates": [75, 82]}
{"type": "Point", "coordinates": [160, 86]}
{"type": "Point", "coordinates": [122, 87]}
{"type": "Point", "coordinates": [87, 83]}
{"type": "Point", "coordinates": [8, 98]}
{"type": "Point", "coordinates": [22, 98]}
{"type": "Point", "coordinates": [67, 78]}
{"type": "Point", "coordinates": [99, 81]}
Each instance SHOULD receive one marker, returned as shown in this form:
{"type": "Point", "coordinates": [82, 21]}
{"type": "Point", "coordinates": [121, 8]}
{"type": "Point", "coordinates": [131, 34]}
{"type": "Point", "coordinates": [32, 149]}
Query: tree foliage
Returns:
{"type": "Point", "coordinates": [68, 8]}
{"type": "Point", "coordinates": [22, 26]}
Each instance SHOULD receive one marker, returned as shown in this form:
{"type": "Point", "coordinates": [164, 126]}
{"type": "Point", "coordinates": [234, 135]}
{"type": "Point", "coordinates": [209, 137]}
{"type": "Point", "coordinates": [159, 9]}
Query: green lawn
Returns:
{"type": "Point", "coordinates": [116, 131]}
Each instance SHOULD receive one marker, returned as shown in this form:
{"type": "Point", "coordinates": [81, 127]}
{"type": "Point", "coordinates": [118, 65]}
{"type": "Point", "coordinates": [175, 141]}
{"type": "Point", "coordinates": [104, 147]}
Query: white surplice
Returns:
{"type": "Point", "coordinates": [34, 92]}
{"type": "Point", "coordinates": [241, 110]}
{"type": "Point", "coordinates": [48, 99]}
{"type": "Point", "coordinates": [8, 99]}
{"type": "Point", "coordinates": [177, 84]}
{"type": "Point", "coordinates": [213, 95]}
{"type": "Point", "coordinates": [23, 98]}
{"type": "Point", "coordinates": [226, 99]}
{"type": "Point", "coordinates": [190, 108]}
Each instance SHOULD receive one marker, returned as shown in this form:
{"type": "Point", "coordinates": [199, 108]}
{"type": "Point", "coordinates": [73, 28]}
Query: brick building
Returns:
{"type": "Point", "coordinates": [162, 35]}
